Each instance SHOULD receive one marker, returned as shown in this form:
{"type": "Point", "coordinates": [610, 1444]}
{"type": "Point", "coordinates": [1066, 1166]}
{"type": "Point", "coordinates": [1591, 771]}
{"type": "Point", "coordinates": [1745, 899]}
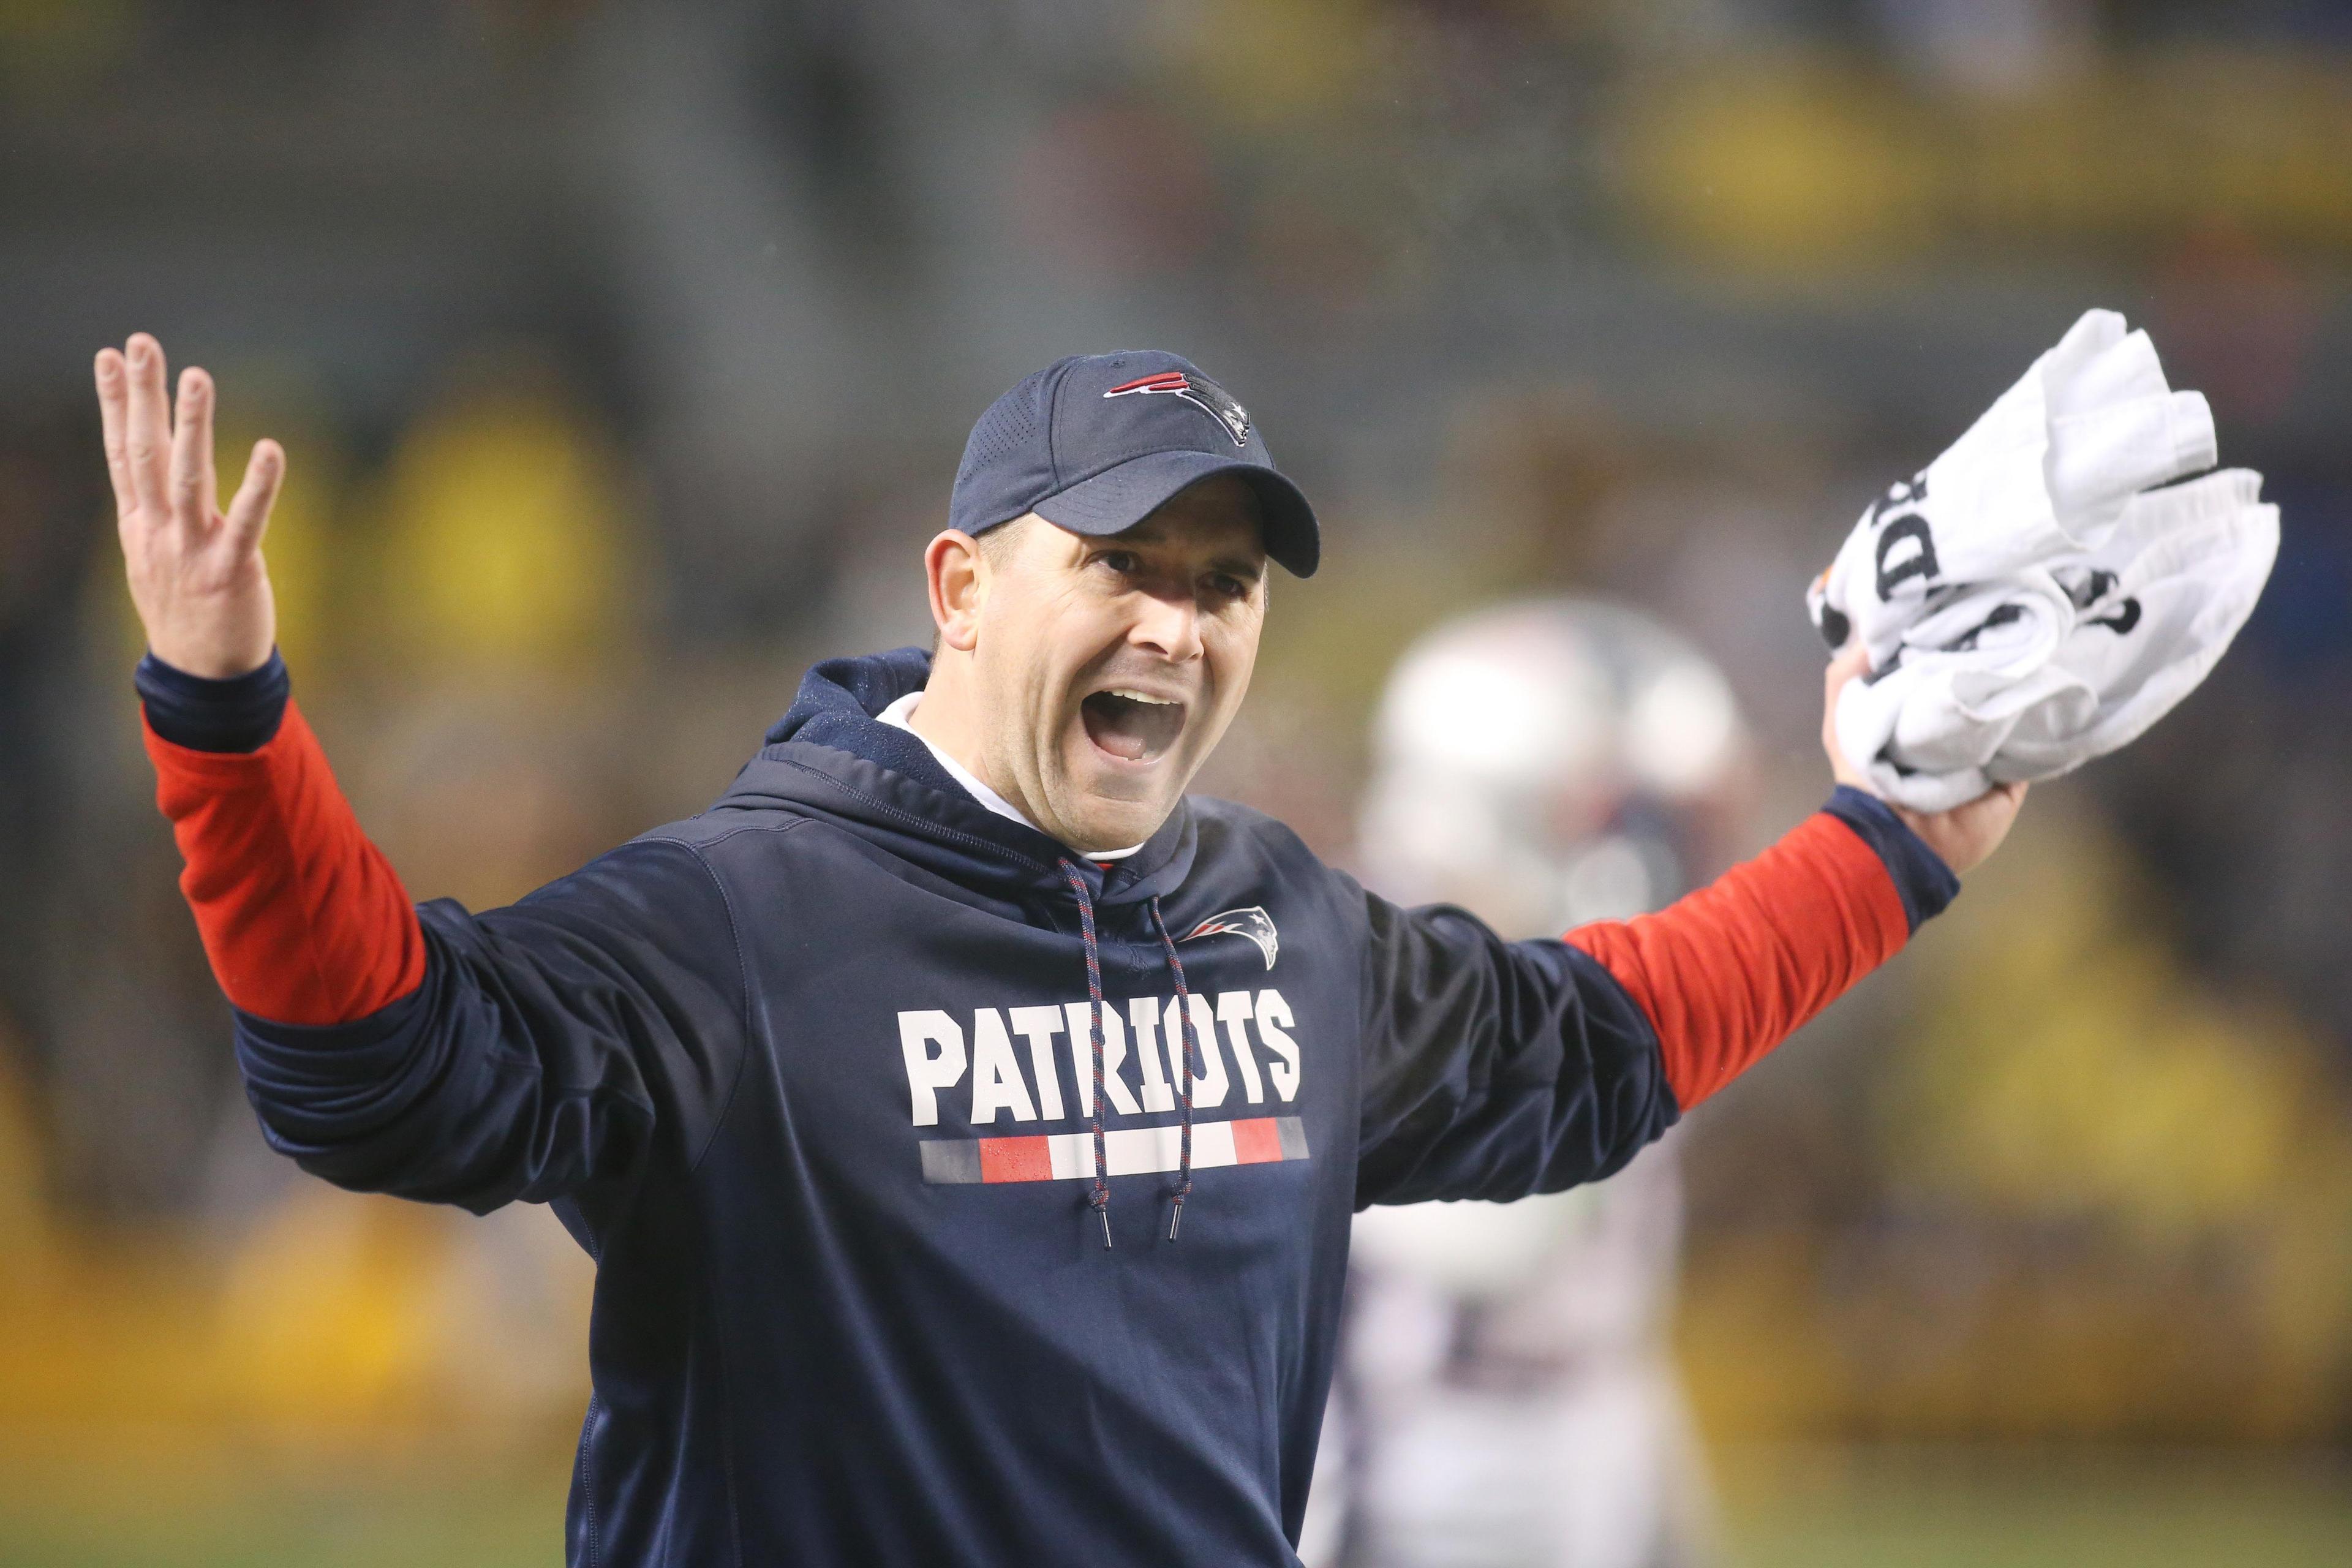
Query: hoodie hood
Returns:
{"type": "Point", "coordinates": [830, 757]}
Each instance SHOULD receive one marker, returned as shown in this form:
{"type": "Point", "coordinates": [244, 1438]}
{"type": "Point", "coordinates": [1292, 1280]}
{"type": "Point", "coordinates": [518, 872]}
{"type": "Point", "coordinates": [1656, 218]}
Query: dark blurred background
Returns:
{"type": "Point", "coordinates": [623, 353]}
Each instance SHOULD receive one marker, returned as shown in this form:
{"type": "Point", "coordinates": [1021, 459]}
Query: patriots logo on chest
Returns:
{"type": "Point", "coordinates": [1253, 923]}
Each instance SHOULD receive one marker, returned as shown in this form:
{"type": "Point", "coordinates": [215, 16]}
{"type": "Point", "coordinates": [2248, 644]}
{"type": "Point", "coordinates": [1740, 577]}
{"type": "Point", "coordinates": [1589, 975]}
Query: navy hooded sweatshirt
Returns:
{"type": "Point", "coordinates": [812, 1076]}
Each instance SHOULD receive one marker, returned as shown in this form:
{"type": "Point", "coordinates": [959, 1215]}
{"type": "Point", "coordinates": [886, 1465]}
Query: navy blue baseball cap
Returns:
{"type": "Point", "coordinates": [1093, 442]}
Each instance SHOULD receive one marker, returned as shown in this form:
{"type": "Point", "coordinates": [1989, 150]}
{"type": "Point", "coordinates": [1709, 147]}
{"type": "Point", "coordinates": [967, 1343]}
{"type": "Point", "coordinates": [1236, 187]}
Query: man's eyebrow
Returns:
{"type": "Point", "coordinates": [1152, 532]}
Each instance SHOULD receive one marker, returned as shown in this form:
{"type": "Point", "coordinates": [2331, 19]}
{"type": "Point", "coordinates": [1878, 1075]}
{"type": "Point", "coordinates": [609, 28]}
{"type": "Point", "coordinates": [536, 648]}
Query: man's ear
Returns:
{"type": "Point", "coordinates": [957, 574]}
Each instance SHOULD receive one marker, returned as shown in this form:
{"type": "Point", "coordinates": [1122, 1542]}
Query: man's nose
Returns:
{"type": "Point", "coordinates": [1170, 626]}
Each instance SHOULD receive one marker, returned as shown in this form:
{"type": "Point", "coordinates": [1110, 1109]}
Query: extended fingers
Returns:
{"type": "Point", "coordinates": [113, 418]}
{"type": "Point", "coordinates": [147, 432]}
{"type": "Point", "coordinates": [194, 496]}
{"type": "Point", "coordinates": [249, 513]}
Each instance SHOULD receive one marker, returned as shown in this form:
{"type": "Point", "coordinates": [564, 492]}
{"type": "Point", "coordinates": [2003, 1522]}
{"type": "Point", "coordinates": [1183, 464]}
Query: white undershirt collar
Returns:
{"type": "Point", "coordinates": [900, 715]}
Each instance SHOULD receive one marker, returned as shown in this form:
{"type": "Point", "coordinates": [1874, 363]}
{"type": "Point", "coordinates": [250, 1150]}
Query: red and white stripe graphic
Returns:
{"type": "Point", "coordinates": [1127, 1151]}
{"type": "Point", "coordinates": [1165, 381]}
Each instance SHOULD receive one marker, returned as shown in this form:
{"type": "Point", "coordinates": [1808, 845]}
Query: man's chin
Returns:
{"type": "Point", "coordinates": [1107, 803]}
{"type": "Point", "coordinates": [1104, 833]}
{"type": "Point", "coordinates": [1112, 821]}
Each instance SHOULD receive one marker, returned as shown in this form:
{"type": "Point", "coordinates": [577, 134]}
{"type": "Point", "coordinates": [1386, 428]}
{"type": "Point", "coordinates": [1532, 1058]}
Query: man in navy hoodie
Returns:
{"type": "Point", "coordinates": [965, 1122]}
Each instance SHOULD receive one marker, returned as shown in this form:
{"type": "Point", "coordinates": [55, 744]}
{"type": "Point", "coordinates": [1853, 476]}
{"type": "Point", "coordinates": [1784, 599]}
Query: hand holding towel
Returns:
{"type": "Point", "coordinates": [2029, 601]}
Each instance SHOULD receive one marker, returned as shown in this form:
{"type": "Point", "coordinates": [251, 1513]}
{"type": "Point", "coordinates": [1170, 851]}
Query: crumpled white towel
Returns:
{"type": "Point", "coordinates": [1931, 723]}
{"type": "Point", "coordinates": [2046, 470]}
{"type": "Point", "coordinates": [2157, 607]}
{"type": "Point", "coordinates": [2073, 620]}
{"type": "Point", "coordinates": [2033, 676]}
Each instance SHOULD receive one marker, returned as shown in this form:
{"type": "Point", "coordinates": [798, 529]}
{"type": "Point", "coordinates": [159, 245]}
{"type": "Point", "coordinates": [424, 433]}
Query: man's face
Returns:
{"type": "Point", "coordinates": [1110, 667]}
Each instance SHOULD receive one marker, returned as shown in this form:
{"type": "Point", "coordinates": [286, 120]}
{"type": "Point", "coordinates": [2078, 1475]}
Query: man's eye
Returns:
{"type": "Point", "coordinates": [1119, 561]}
{"type": "Point", "coordinates": [1227, 586]}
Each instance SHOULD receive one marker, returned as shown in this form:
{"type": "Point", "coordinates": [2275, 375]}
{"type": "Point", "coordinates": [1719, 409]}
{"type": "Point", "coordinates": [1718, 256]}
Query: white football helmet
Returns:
{"type": "Point", "coordinates": [1509, 1399]}
{"type": "Point", "coordinates": [1549, 763]}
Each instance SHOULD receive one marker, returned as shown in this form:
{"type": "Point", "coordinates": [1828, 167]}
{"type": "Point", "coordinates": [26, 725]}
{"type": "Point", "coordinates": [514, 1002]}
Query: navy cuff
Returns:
{"type": "Point", "coordinates": [239, 714]}
{"type": "Point", "coordinates": [1924, 882]}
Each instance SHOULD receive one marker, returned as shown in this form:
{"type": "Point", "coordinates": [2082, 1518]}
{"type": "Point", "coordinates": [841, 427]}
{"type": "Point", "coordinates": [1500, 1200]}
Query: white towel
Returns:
{"type": "Point", "coordinates": [2039, 604]}
{"type": "Point", "coordinates": [2046, 470]}
{"type": "Point", "coordinates": [2156, 608]}
{"type": "Point", "coordinates": [1928, 726]}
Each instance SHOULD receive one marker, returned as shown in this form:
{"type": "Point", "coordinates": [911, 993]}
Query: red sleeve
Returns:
{"type": "Point", "coordinates": [303, 918]}
{"type": "Point", "coordinates": [1731, 971]}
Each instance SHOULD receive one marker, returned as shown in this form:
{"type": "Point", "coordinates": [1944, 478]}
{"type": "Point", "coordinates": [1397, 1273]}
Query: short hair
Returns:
{"type": "Point", "coordinates": [1000, 541]}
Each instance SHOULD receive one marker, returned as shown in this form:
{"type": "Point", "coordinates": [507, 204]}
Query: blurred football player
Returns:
{"type": "Point", "coordinates": [1507, 1398]}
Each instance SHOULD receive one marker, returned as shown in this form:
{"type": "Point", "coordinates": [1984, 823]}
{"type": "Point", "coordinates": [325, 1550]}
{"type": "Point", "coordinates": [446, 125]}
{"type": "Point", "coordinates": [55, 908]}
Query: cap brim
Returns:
{"type": "Point", "coordinates": [1119, 498]}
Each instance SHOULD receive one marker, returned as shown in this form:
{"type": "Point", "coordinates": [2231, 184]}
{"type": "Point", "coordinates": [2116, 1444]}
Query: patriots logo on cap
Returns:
{"type": "Point", "coordinates": [1253, 923]}
{"type": "Point", "coordinates": [1201, 393]}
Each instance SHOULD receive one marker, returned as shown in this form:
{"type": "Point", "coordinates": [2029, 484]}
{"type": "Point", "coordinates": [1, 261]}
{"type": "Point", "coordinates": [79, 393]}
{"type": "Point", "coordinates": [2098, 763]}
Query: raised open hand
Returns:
{"type": "Point", "coordinates": [196, 575]}
{"type": "Point", "coordinates": [1963, 836]}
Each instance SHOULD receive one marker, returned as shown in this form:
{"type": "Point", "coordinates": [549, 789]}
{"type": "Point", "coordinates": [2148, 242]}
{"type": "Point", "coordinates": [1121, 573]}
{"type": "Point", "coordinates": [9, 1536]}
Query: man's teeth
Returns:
{"type": "Point", "coordinates": [1139, 696]}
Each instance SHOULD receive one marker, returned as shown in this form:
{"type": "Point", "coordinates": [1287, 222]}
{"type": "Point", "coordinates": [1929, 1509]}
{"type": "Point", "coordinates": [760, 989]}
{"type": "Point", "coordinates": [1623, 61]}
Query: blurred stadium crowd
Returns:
{"type": "Point", "coordinates": [623, 349]}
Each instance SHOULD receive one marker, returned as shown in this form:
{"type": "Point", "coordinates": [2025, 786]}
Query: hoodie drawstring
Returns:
{"type": "Point", "coordinates": [1184, 1087]}
{"type": "Point", "coordinates": [1102, 1196]}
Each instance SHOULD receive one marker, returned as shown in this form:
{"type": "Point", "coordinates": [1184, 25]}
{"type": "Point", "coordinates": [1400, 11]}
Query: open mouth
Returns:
{"type": "Point", "coordinates": [1132, 725]}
